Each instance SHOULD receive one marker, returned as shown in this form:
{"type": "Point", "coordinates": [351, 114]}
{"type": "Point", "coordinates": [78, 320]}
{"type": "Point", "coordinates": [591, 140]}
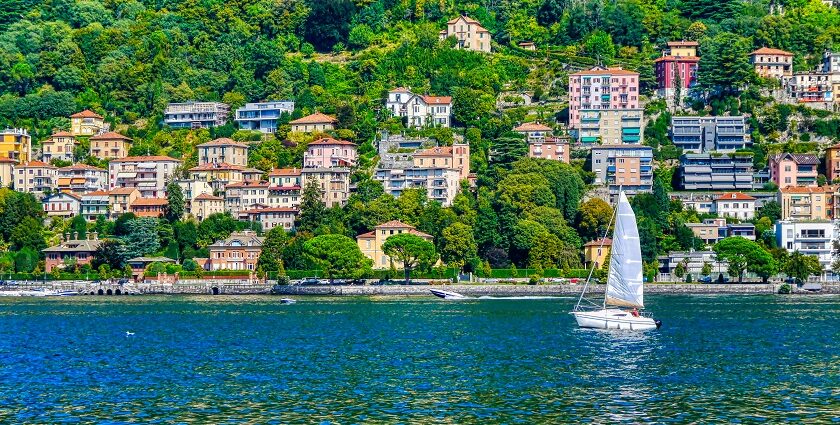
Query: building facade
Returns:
{"type": "Point", "coordinates": [676, 68]}
{"type": "Point", "coordinates": [223, 150]}
{"type": "Point", "coordinates": [735, 205]}
{"type": "Point", "coordinates": [807, 203]}
{"type": "Point", "coordinates": [468, 33]}
{"type": "Point", "coordinates": [596, 253]}
{"type": "Point", "coordinates": [554, 148]}
{"type": "Point", "coordinates": [419, 111]}
{"type": "Point", "coordinates": [329, 152]}
{"type": "Point", "coordinates": [313, 122]}
{"type": "Point", "coordinates": [533, 131]}
{"type": "Point", "coordinates": [81, 178]}
{"type": "Point", "coordinates": [787, 169]}
{"type": "Point", "coordinates": [196, 114]}
{"type": "Point", "coordinates": [16, 143]}
{"type": "Point", "coordinates": [205, 205]}
{"type": "Point", "coordinates": [87, 123]}
{"type": "Point", "coordinates": [611, 126]}
{"type": "Point", "coordinates": [59, 146]}
{"type": "Point", "coordinates": [110, 145]}
{"type": "Point", "coordinates": [217, 175]}
{"type": "Point", "coordinates": [120, 200]}
{"type": "Point", "coordinates": [263, 116]}
{"type": "Point", "coordinates": [623, 167]}
{"type": "Point", "coordinates": [148, 174]}
{"type": "Point", "coordinates": [95, 204]}
{"type": "Point", "coordinates": [707, 134]}
{"type": "Point", "coordinates": [814, 89]}
{"type": "Point", "coordinates": [334, 183]}
{"type": "Point", "coordinates": [772, 63]}
{"type": "Point", "coordinates": [716, 171]}
{"type": "Point", "coordinates": [832, 163]}
{"type": "Point", "coordinates": [285, 188]}
{"type": "Point", "coordinates": [239, 251]}
{"type": "Point", "coordinates": [371, 243]}
{"type": "Point", "coordinates": [35, 177]}
{"type": "Point", "coordinates": [810, 238]}
{"type": "Point", "coordinates": [271, 217]}
{"type": "Point", "coordinates": [64, 205]}
{"type": "Point", "coordinates": [7, 172]}
{"type": "Point", "coordinates": [71, 251]}
{"type": "Point", "coordinates": [601, 89]}
{"type": "Point", "coordinates": [148, 207]}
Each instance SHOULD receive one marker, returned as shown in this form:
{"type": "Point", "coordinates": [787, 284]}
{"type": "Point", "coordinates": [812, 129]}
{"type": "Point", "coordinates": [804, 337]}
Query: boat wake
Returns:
{"type": "Point", "coordinates": [525, 297]}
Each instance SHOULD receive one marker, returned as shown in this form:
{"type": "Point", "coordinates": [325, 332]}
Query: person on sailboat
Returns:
{"type": "Point", "coordinates": [635, 312]}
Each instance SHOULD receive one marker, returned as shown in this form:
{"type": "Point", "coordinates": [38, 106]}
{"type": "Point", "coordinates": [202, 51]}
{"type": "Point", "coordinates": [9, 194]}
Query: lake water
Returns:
{"type": "Point", "coordinates": [415, 360]}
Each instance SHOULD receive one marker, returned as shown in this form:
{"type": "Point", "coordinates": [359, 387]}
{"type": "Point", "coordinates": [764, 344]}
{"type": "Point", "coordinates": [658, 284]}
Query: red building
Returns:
{"type": "Point", "coordinates": [678, 62]}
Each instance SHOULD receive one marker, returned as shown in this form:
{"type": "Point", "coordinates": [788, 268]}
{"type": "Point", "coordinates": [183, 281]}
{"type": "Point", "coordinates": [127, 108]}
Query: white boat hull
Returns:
{"type": "Point", "coordinates": [447, 295]}
{"type": "Point", "coordinates": [614, 319]}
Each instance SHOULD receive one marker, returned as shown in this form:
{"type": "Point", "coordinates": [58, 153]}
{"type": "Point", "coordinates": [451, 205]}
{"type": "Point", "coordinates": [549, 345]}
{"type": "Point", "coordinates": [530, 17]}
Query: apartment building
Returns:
{"type": "Point", "coordinates": [676, 68]}
{"type": "Point", "coordinates": [59, 146]}
{"type": "Point", "coordinates": [87, 123]}
{"type": "Point", "coordinates": [419, 110]}
{"type": "Point", "coordinates": [246, 195]}
{"type": "Point", "coordinates": [456, 156]}
{"type": "Point", "coordinates": [554, 148]}
{"type": "Point", "coordinates": [439, 170]}
{"type": "Point", "coordinates": [7, 171]}
{"type": "Point", "coordinates": [285, 188]}
{"type": "Point", "coordinates": [735, 205]}
{"type": "Point", "coordinates": [120, 200]}
{"type": "Point", "coordinates": [196, 114]}
{"type": "Point", "coordinates": [63, 205]}
{"type": "Point", "coordinates": [830, 62]}
{"type": "Point", "coordinates": [334, 183]}
{"type": "Point", "coordinates": [810, 238]}
{"type": "Point", "coordinates": [371, 243]}
{"type": "Point", "coordinates": [95, 204]}
{"type": "Point", "coordinates": [271, 217]}
{"type": "Point", "coordinates": [623, 167]}
{"type": "Point", "coordinates": [205, 205]}
{"type": "Point", "coordinates": [772, 63]}
{"type": "Point", "coordinates": [814, 89]}
{"type": "Point", "coordinates": [716, 171]}
{"type": "Point", "coordinates": [192, 188]}
{"type": "Point", "coordinates": [35, 177]}
{"type": "Point", "coordinates": [239, 251]}
{"type": "Point", "coordinates": [712, 230]}
{"type": "Point", "coordinates": [223, 150]}
{"type": "Point", "coordinates": [707, 134]}
{"type": "Point", "coordinates": [263, 116]}
{"type": "Point", "coordinates": [110, 145]}
{"type": "Point", "coordinates": [611, 126]}
{"type": "Point", "coordinates": [788, 169]}
{"type": "Point", "coordinates": [601, 89]}
{"type": "Point", "coordinates": [80, 178]}
{"type": "Point", "coordinates": [217, 175]}
{"type": "Point", "coordinates": [329, 152]}
{"type": "Point", "coordinates": [148, 174]}
{"type": "Point", "coordinates": [807, 203]}
{"type": "Point", "coordinates": [468, 33]}
{"type": "Point", "coordinates": [148, 207]}
{"type": "Point", "coordinates": [16, 143]}
{"type": "Point", "coordinates": [832, 163]}
{"type": "Point", "coordinates": [313, 122]}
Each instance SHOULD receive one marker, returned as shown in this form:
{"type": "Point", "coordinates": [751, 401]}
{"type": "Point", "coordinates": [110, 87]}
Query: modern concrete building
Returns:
{"type": "Point", "coordinates": [35, 177]}
{"type": "Point", "coordinates": [110, 145]}
{"type": "Point", "coordinates": [329, 152]}
{"type": "Point", "coordinates": [148, 174]}
{"type": "Point", "coordinates": [16, 144]}
{"type": "Point", "coordinates": [810, 238]}
{"type": "Point", "coordinates": [313, 122]}
{"type": "Point", "coordinates": [371, 243]}
{"type": "Point", "coordinates": [716, 171]}
{"type": "Point", "coordinates": [712, 230]}
{"type": "Point", "coordinates": [223, 150]}
{"type": "Point", "coordinates": [601, 89]}
{"type": "Point", "coordinates": [611, 126]}
{"type": "Point", "coordinates": [772, 63]}
{"type": "Point", "coordinates": [196, 114]}
{"type": "Point", "coordinates": [469, 34]}
{"type": "Point", "coordinates": [625, 167]}
{"type": "Point", "coordinates": [693, 263]}
{"type": "Point", "coordinates": [807, 203]}
{"type": "Point", "coordinates": [80, 178]}
{"type": "Point", "coordinates": [239, 251]}
{"type": "Point", "coordinates": [788, 169]}
{"type": "Point", "coordinates": [263, 116]}
{"type": "Point", "coordinates": [735, 205]}
{"type": "Point", "coordinates": [59, 146]}
{"type": "Point", "coordinates": [419, 110]}
{"type": "Point", "coordinates": [87, 123]}
{"type": "Point", "coordinates": [707, 134]}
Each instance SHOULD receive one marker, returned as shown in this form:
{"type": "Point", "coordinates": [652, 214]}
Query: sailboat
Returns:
{"type": "Point", "coordinates": [624, 296]}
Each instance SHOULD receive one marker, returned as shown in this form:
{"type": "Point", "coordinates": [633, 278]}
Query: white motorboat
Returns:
{"type": "Point", "coordinates": [447, 295]}
{"type": "Point", "coordinates": [625, 282]}
{"type": "Point", "coordinates": [287, 301]}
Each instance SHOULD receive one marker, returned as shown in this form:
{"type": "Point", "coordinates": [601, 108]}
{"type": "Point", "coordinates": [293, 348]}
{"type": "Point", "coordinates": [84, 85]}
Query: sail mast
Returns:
{"type": "Point", "coordinates": [601, 246]}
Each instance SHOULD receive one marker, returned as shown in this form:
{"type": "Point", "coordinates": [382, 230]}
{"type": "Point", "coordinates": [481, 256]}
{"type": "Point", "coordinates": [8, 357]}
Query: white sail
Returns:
{"type": "Point", "coordinates": [624, 283]}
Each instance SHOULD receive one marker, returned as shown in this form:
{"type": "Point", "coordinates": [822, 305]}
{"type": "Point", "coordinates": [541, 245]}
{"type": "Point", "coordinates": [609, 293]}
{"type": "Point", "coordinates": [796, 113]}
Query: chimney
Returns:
{"type": "Point", "coordinates": [95, 235]}
{"type": "Point", "coordinates": [75, 236]}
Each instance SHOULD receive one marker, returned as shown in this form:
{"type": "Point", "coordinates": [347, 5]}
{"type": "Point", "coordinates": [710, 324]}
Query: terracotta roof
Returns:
{"type": "Point", "coordinates": [799, 158]}
{"type": "Point", "coordinates": [223, 141]}
{"type": "Point", "coordinates": [738, 196]}
{"type": "Point", "coordinates": [436, 151]}
{"type": "Point", "coordinates": [62, 134]}
{"type": "Point", "coordinates": [96, 193]}
{"type": "Point", "coordinates": [607, 71]}
{"type": "Point", "coordinates": [142, 202]}
{"type": "Point", "coordinates": [35, 164]}
{"type": "Point", "coordinates": [247, 185]}
{"type": "Point", "coordinates": [526, 43]}
{"type": "Point", "coordinates": [81, 167]}
{"type": "Point", "coordinates": [466, 18]}
{"type": "Point", "coordinates": [145, 158]}
{"type": "Point", "coordinates": [217, 166]}
{"type": "Point", "coordinates": [394, 223]}
{"type": "Point", "coordinates": [682, 44]}
{"type": "Point", "coordinates": [368, 235]}
{"type": "Point", "coordinates": [532, 126]}
{"type": "Point", "coordinates": [87, 113]}
{"type": "Point", "coordinates": [769, 51]}
{"type": "Point", "coordinates": [252, 171]}
{"type": "Point", "coordinates": [285, 172]}
{"type": "Point", "coordinates": [111, 135]}
{"type": "Point", "coordinates": [122, 191]}
{"type": "Point", "coordinates": [437, 100]}
{"type": "Point", "coordinates": [208, 197]}
{"type": "Point", "coordinates": [316, 118]}
{"type": "Point", "coordinates": [597, 242]}
{"type": "Point", "coordinates": [331, 141]}
{"type": "Point", "coordinates": [4, 159]}
{"type": "Point", "coordinates": [677, 58]}
{"type": "Point", "coordinates": [800, 189]}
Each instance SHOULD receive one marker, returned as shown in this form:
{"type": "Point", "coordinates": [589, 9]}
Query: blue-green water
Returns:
{"type": "Point", "coordinates": [249, 359]}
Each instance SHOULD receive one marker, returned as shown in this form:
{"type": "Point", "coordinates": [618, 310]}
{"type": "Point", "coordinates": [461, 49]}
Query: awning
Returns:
{"type": "Point", "coordinates": [126, 175]}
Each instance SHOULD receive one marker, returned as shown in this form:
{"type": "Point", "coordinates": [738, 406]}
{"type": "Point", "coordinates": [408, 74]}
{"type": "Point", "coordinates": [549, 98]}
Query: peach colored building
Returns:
{"type": "Point", "coordinates": [59, 146]}
{"type": "Point", "coordinates": [601, 88]}
{"type": "Point", "coordinates": [456, 157]}
{"type": "Point", "coordinates": [223, 150]}
{"type": "Point", "coordinates": [313, 122]}
{"type": "Point", "coordinates": [788, 169]}
{"type": "Point", "coordinates": [120, 199]}
{"type": "Point", "coordinates": [217, 174]}
{"type": "Point", "coordinates": [111, 145]}
{"type": "Point", "coordinates": [469, 34]}
{"type": "Point", "coordinates": [555, 148]}
{"type": "Point", "coordinates": [806, 203]}
{"type": "Point", "coordinates": [7, 169]}
{"type": "Point", "coordinates": [205, 205]}
{"type": "Point", "coordinates": [148, 207]}
{"type": "Point", "coordinates": [772, 63]}
{"type": "Point", "coordinates": [329, 152]}
{"type": "Point", "coordinates": [86, 123]}
{"type": "Point", "coordinates": [832, 163]}
{"type": "Point", "coordinates": [334, 183]}
{"type": "Point", "coordinates": [239, 251]}
{"type": "Point", "coordinates": [371, 243]}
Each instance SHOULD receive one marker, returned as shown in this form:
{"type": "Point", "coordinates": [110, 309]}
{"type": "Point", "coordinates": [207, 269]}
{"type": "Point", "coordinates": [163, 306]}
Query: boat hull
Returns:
{"type": "Point", "coordinates": [447, 295]}
{"type": "Point", "coordinates": [614, 319]}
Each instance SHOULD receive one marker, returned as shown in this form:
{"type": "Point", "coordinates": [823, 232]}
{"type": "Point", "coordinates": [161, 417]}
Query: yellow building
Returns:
{"type": "Point", "coordinates": [110, 145]}
{"type": "Point", "coordinates": [16, 143]}
{"type": "Point", "coordinates": [596, 251]}
{"type": "Point", "coordinates": [86, 123]}
{"type": "Point", "coordinates": [205, 205]}
{"type": "Point", "coordinates": [7, 169]}
{"type": "Point", "coordinates": [806, 203]}
{"type": "Point", "coordinates": [59, 146]}
{"type": "Point", "coordinates": [313, 122]}
{"type": "Point", "coordinates": [120, 199]}
{"type": "Point", "coordinates": [371, 243]}
{"type": "Point", "coordinates": [218, 175]}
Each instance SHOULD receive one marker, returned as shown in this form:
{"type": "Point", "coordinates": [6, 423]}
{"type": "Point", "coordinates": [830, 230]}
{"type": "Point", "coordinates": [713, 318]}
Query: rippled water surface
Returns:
{"type": "Point", "coordinates": [412, 360]}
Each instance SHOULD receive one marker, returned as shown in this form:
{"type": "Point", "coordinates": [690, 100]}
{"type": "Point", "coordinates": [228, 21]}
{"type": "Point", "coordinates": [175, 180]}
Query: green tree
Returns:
{"type": "Point", "coordinates": [724, 66]}
{"type": "Point", "coordinates": [141, 238]}
{"type": "Point", "coordinates": [707, 269]}
{"type": "Point", "coordinates": [271, 256]}
{"type": "Point", "coordinates": [28, 233]}
{"type": "Point", "coordinates": [745, 255]}
{"type": "Point", "coordinates": [337, 256]}
{"type": "Point", "coordinates": [110, 253]}
{"type": "Point", "coordinates": [412, 251]}
{"type": "Point", "coordinates": [800, 266]}
{"type": "Point", "coordinates": [78, 225]}
{"type": "Point", "coordinates": [599, 46]}
{"type": "Point", "coordinates": [175, 202]}
{"type": "Point", "coordinates": [458, 247]}
{"type": "Point", "coordinates": [771, 209]}
{"type": "Point", "coordinates": [25, 260]}
{"type": "Point", "coordinates": [312, 208]}
{"type": "Point", "coordinates": [593, 217]}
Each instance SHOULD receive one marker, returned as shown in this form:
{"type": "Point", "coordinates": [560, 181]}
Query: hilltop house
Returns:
{"type": "Point", "coordinates": [420, 110]}
{"type": "Point", "coordinates": [313, 122]}
{"type": "Point", "coordinates": [469, 34]}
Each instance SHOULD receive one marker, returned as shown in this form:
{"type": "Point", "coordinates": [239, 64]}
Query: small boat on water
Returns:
{"type": "Point", "coordinates": [287, 301]}
{"type": "Point", "coordinates": [625, 282]}
{"type": "Point", "coordinates": [448, 295]}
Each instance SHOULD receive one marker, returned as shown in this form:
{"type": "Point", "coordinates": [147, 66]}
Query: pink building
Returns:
{"type": "Point", "coordinates": [678, 61]}
{"type": "Point", "coordinates": [327, 153]}
{"type": "Point", "coordinates": [599, 89]}
{"type": "Point", "coordinates": [788, 169]}
{"type": "Point", "coordinates": [555, 148]}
